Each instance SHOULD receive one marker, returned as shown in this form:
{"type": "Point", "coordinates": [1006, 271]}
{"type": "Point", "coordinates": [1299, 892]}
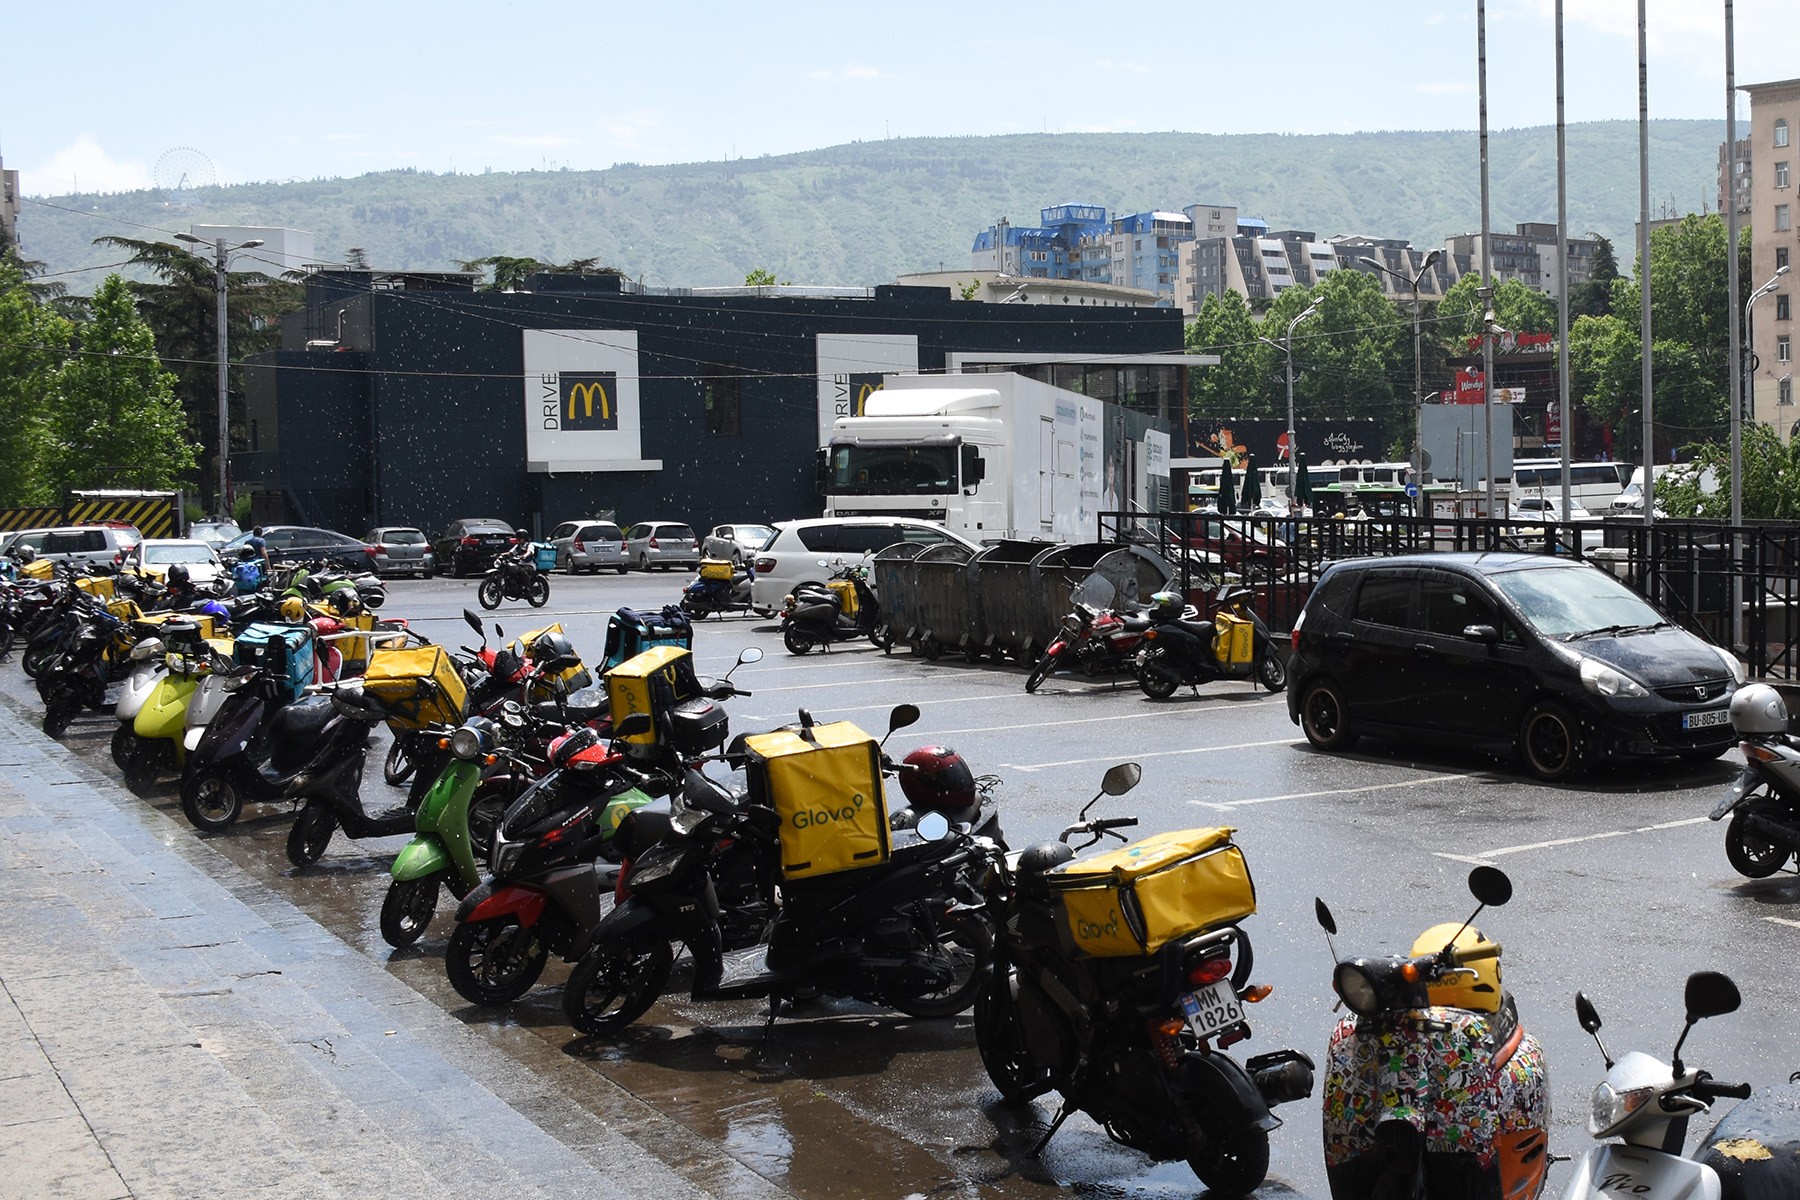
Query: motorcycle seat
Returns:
{"type": "Point", "coordinates": [1043, 857]}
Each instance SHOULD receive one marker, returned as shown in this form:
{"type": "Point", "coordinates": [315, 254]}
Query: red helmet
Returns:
{"type": "Point", "coordinates": [939, 779]}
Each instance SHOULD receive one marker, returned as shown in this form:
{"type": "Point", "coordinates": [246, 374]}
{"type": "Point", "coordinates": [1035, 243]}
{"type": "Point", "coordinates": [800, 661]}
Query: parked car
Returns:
{"type": "Point", "coordinates": [739, 543]}
{"type": "Point", "coordinates": [213, 533]}
{"type": "Point", "coordinates": [1553, 659]}
{"type": "Point", "coordinates": [154, 556]}
{"type": "Point", "coordinates": [468, 546]}
{"type": "Point", "coordinates": [1242, 545]}
{"type": "Point", "coordinates": [1549, 508]}
{"type": "Point", "coordinates": [306, 543]}
{"type": "Point", "coordinates": [588, 545]}
{"type": "Point", "coordinates": [401, 549]}
{"type": "Point", "coordinates": [665, 544]}
{"type": "Point", "coordinates": [84, 545]}
{"type": "Point", "coordinates": [792, 556]}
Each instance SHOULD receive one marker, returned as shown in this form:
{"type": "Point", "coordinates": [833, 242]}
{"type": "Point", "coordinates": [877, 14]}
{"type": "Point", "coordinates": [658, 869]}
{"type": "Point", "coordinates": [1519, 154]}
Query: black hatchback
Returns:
{"type": "Point", "coordinates": [1552, 659]}
{"type": "Point", "coordinates": [469, 546]}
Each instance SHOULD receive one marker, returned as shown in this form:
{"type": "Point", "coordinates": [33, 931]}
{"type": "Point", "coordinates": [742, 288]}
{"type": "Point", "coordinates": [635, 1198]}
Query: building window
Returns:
{"type": "Point", "coordinates": [1780, 257]}
{"type": "Point", "coordinates": [720, 392]}
{"type": "Point", "coordinates": [1784, 349]}
{"type": "Point", "coordinates": [1781, 175]}
{"type": "Point", "coordinates": [1781, 216]}
{"type": "Point", "coordinates": [1781, 307]}
{"type": "Point", "coordinates": [1780, 132]}
{"type": "Point", "coordinates": [1784, 392]}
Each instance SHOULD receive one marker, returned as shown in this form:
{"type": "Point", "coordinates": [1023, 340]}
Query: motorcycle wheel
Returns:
{"type": "Point", "coordinates": [1236, 1168]}
{"type": "Point", "coordinates": [1271, 672]}
{"type": "Point", "coordinates": [57, 715]}
{"type": "Point", "coordinates": [494, 961]}
{"type": "Point", "coordinates": [407, 909]}
{"type": "Point", "coordinates": [1155, 683]}
{"type": "Point", "coordinates": [882, 638]}
{"type": "Point", "coordinates": [35, 656]}
{"type": "Point", "coordinates": [310, 835]}
{"type": "Point", "coordinates": [122, 740]}
{"type": "Point", "coordinates": [1751, 856]}
{"type": "Point", "coordinates": [1001, 1042]}
{"type": "Point", "coordinates": [1045, 666]}
{"type": "Point", "coordinates": [616, 983]}
{"type": "Point", "coordinates": [489, 594]}
{"type": "Point", "coordinates": [211, 801]}
{"type": "Point", "coordinates": [797, 642]}
{"type": "Point", "coordinates": [968, 941]}
{"type": "Point", "coordinates": [142, 766]}
{"type": "Point", "coordinates": [399, 765]}
{"type": "Point", "coordinates": [537, 592]}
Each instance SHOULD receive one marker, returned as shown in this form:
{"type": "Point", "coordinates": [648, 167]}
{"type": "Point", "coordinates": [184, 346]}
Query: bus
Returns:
{"type": "Point", "coordinates": [1592, 485]}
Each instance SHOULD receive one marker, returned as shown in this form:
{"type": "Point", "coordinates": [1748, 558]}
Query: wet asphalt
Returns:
{"type": "Point", "coordinates": [1622, 889]}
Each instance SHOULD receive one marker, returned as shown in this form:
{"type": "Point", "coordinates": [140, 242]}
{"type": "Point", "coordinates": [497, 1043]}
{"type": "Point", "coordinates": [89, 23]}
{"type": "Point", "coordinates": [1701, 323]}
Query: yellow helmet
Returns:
{"type": "Point", "coordinates": [1479, 992]}
{"type": "Point", "coordinates": [293, 609]}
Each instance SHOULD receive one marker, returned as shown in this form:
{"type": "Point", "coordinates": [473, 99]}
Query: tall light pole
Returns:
{"type": "Point", "coordinates": [1412, 285]}
{"type": "Point", "coordinates": [1286, 345]}
{"type": "Point", "coordinates": [221, 254]}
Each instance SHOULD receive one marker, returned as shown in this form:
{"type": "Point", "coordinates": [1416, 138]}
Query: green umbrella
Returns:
{"type": "Point", "coordinates": [1252, 486]}
{"type": "Point", "coordinates": [1302, 482]}
{"type": "Point", "coordinates": [1227, 498]}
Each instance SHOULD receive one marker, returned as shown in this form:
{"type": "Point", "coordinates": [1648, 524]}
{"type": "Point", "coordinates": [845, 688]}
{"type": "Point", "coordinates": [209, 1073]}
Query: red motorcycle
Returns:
{"type": "Point", "coordinates": [1095, 638]}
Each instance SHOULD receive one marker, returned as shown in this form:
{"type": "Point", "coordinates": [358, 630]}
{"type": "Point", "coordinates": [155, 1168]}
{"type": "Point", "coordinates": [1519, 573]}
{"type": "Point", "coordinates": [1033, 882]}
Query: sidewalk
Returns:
{"type": "Point", "coordinates": [171, 1028]}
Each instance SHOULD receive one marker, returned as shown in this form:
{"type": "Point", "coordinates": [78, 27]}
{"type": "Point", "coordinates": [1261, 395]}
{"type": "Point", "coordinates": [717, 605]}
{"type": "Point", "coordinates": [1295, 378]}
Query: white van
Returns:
{"type": "Point", "coordinates": [89, 545]}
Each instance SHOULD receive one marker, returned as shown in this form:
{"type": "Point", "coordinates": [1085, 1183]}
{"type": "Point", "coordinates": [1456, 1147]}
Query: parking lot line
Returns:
{"type": "Point", "coordinates": [1782, 921]}
{"type": "Point", "coordinates": [1228, 805]}
{"type": "Point", "coordinates": [1485, 857]}
{"type": "Point", "coordinates": [1131, 716]}
{"type": "Point", "coordinates": [1108, 758]}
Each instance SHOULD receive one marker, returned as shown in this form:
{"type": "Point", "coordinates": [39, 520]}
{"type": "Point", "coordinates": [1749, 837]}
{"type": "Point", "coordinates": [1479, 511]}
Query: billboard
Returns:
{"type": "Point", "coordinates": [581, 401]}
{"type": "Point", "coordinates": [851, 366]}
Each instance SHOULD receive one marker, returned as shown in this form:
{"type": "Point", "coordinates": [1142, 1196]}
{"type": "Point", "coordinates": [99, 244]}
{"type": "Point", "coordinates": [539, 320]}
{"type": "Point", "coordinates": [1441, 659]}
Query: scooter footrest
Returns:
{"type": "Point", "coordinates": [744, 968]}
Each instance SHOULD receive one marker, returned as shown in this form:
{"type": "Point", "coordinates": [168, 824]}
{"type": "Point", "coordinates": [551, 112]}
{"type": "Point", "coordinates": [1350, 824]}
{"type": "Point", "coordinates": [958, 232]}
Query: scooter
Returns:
{"type": "Point", "coordinates": [1093, 637]}
{"type": "Point", "coordinates": [719, 588]}
{"type": "Point", "coordinates": [333, 797]}
{"type": "Point", "coordinates": [1235, 644]}
{"type": "Point", "coordinates": [1764, 802]}
{"type": "Point", "coordinates": [842, 609]}
{"type": "Point", "coordinates": [77, 677]}
{"type": "Point", "coordinates": [513, 577]}
{"type": "Point", "coordinates": [1432, 1087]}
{"type": "Point", "coordinates": [158, 731]}
{"type": "Point", "coordinates": [1646, 1103]}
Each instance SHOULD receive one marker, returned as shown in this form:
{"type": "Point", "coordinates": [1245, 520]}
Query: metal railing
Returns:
{"type": "Point", "coordinates": [1691, 570]}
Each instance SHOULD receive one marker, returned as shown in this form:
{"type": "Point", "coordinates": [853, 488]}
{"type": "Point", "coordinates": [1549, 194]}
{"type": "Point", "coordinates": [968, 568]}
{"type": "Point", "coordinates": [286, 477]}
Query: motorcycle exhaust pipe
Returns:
{"type": "Point", "coordinates": [1772, 831]}
{"type": "Point", "coordinates": [1285, 1082]}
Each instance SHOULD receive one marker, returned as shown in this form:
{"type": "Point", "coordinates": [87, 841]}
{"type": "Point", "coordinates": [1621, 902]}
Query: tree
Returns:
{"type": "Point", "coordinates": [1594, 298]}
{"type": "Point", "coordinates": [114, 418]}
{"type": "Point", "coordinates": [1348, 355]}
{"type": "Point", "coordinates": [1771, 480]}
{"type": "Point", "coordinates": [1239, 386]}
{"type": "Point", "coordinates": [33, 340]}
{"type": "Point", "coordinates": [762, 278]}
{"type": "Point", "coordinates": [510, 273]}
{"type": "Point", "coordinates": [1516, 307]}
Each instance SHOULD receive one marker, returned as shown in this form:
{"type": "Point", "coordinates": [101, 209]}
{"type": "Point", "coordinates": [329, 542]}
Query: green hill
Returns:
{"type": "Point", "coordinates": [866, 212]}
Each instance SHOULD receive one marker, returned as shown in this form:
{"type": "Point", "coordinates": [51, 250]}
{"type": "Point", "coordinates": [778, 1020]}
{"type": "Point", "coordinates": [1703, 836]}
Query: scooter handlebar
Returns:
{"type": "Point", "coordinates": [1708, 1089]}
{"type": "Point", "coordinates": [1476, 953]}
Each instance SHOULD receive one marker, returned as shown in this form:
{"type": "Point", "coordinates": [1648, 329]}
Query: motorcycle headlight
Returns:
{"type": "Point", "coordinates": [1602, 680]}
{"type": "Point", "coordinates": [465, 743]}
{"type": "Point", "coordinates": [1608, 1107]}
{"type": "Point", "coordinates": [1357, 989]}
{"type": "Point", "coordinates": [148, 648]}
{"type": "Point", "coordinates": [1732, 663]}
{"type": "Point", "coordinates": [504, 856]}
{"type": "Point", "coordinates": [651, 871]}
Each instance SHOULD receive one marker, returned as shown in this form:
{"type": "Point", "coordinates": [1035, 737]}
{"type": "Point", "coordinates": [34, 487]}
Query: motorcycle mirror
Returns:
{"type": "Point", "coordinates": [750, 654]}
{"type": "Point", "coordinates": [1587, 1014]}
{"type": "Point", "coordinates": [902, 716]}
{"type": "Point", "coordinates": [1490, 886]}
{"type": "Point", "coordinates": [933, 827]}
{"type": "Point", "coordinates": [1121, 778]}
{"type": "Point", "coordinates": [1710, 994]}
{"type": "Point", "coordinates": [1326, 921]}
{"type": "Point", "coordinates": [475, 623]}
{"type": "Point", "coordinates": [500, 633]}
{"type": "Point", "coordinates": [806, 719]}
{"type": "Point", "coordinates": [632, 725]}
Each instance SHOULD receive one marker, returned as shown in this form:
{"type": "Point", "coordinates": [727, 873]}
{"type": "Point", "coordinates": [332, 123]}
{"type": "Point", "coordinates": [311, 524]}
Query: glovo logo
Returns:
{"type": "Point", "coordinates": [808, 818]}
{"type": "Point", "coordinates": [1094, 931]}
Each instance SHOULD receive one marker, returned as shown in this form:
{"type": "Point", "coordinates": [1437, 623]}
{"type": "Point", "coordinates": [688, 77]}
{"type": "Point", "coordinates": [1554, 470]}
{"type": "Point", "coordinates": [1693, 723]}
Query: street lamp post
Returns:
{"type": "Point", "coordinates": [1286, 345]}
{"type": "Point", "coordinates": [1412, 285]}
{"type": "Point", "coordinates": [221, 254]}
{"type": "Point", "coordinates": [1745, 407]}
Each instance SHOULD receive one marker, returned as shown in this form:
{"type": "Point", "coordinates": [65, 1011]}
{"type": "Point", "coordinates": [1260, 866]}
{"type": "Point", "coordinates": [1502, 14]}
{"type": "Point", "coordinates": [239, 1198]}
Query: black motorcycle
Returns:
{"type": "Point", "coordinates": [1235, 644]}
{"type": "Point", "coordinates": [897, 934]}
{"type": "Point", "coordinates": [1114, 984]}
{"type": "Point", "coordinates": [76, 676]}
{"type": "Point", "coordinates": [720, 587]}
{"type": "Point", "coordinates": [329, 785]}
{"type": "Point", "coordinates": [842, 609]}
{"type": "Point", "coordinates": [513, 577]}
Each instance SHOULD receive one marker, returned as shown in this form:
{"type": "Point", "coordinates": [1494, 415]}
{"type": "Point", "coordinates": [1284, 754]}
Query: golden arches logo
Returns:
{"type": "Point", "coordinates": [583, 394]}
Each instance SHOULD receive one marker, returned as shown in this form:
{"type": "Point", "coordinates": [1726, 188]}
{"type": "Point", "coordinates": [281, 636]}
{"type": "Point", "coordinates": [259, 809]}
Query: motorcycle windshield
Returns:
{"type": "Point", "coordinates": [1096, 591]}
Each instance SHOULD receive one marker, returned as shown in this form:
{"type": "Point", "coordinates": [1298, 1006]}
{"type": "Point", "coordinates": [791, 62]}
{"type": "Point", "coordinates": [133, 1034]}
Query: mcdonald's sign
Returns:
{"type": "Point", "coordinates": [588, 399]}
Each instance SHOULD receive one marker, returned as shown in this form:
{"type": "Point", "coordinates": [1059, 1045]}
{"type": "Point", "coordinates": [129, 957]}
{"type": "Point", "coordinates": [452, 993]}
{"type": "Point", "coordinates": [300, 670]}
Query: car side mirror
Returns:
{"type": "Point", "coordinates": [1485, 634]}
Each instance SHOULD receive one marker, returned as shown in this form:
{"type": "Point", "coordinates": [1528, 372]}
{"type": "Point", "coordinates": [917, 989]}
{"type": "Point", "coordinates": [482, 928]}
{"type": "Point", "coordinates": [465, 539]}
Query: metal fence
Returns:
{"type": "Point", "coordinates": [1696, 572]}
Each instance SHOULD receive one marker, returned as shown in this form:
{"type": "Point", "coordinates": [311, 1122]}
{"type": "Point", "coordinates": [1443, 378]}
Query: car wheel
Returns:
{"type": "Point", "coordinates": [1550, 742]}
{"type": "Point", "coordinates": [1325, 717]}
{"type": "Point", "coordinates": [621, 568]}
{"type": "Point", "coordinates": [644, 563]}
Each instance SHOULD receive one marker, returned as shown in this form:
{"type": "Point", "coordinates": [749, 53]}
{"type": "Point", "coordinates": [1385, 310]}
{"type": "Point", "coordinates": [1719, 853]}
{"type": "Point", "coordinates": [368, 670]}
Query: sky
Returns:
{"type": "Point", "coordinates": [101, 94]}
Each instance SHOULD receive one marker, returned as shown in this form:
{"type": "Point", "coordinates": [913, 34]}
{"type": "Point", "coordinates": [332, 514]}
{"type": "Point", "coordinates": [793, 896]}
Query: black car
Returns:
{"type": "Point", "coordinates": [468, 546]}
{"type": "Point", "coordinates": [1550, 658]}
{"type": "Point", "coordinates": [304, 543]}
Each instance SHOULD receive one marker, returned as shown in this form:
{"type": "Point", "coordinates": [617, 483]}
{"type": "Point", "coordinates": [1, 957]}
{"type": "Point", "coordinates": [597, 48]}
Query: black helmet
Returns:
{"type": "Point", "coordinates": [248, 552]}
{"type": "Point", "coordinates": [344, 602]}
{"type": "Point", "coordinates": [550, 647]}
{"type": "Point", "coordinates": [177, 576]}
{"type": "Point", "coordinates": [1166, 606]}
{"type": "Point", "coordinates": [23, 554]}
{"type": "Point", "coordinates": [938, 779]}
{"type": "Point", "coordinates": [524, 535]}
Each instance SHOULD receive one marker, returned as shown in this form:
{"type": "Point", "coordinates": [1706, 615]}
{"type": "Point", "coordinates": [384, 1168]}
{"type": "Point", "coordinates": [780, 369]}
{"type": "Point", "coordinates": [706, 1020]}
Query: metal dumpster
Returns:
{"type": "Point", "coordinates": [895, 579]}
{"type": "Point", "coordinates": [1008, 603]}
{"type": "Point", "coordinates": [1133, 572]}
{"type": "Point", "coordinates": [947, 618]}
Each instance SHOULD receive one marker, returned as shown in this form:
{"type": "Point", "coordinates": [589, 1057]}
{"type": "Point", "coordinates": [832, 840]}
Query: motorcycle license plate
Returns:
{"type": "Point", "coordinates": [1705, 720]}
{"type": "Point", "coordinates": [1212, 1009]}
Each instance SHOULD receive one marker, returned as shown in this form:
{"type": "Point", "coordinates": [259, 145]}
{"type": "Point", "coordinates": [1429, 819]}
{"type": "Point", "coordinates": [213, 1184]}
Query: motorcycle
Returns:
{"type": "Point", "coordinates": [157, 742]}
{"type": "Point", "coordinates": [1646, 1103]}
{"type": "Point", "coordinates": [333, 796]}
{"type": "Point", "coordinates": [514, 577]}
{"type": "Point", "coordinates": [1764, 802]}
{"type": "Point", "coordinates": [77, 677]}
{"type": "Point", "coordinates": [1093, 637]}
{"type": "Point", "coordinates": [1114, 984]}
{"type": "Point", "coordinates": [1432, 1087]}
{"type": "Point", "coordinates": [545, 891]}
{"type": "Point", "coordinates": [853, 921]}
{"type": "Point", "coordinates": [842, 609]}
{"type": "Point", "coordinates": [1235, 644]}
{"type": "Point", "coordinates": [719, 588]}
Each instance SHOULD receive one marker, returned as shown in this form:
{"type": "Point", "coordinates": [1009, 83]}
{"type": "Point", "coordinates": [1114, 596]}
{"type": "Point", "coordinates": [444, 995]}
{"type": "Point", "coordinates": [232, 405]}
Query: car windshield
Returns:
{"type": "Point", "coordinates": [678, 532]}
{"type": "Point", "coordinates": [877, 470]}
{"type": "Point", "coordinates": [404, 537]}
{"type": "Point", "coordinates": [1563, 602]}
{"type": "Point", "coordinates": [184, 552]}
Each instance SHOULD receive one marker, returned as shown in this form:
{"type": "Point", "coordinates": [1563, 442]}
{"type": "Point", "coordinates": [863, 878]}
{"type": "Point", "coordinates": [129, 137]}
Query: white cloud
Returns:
{"type": "Point", "coordinates": [630, 130]}
{"type": "Point", "coordinates": [1679, 30]}
{"type": "Point", "coordinates": [83, 166]}
{"type": "Point", "coordinates": [531, 141]}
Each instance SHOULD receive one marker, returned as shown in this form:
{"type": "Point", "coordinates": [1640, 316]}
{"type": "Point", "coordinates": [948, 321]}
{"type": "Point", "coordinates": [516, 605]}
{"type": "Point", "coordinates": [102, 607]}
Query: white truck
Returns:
{"type": "Point", "coordinates": [992, 456]}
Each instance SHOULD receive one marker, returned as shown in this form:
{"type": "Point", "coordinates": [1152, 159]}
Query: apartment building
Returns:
{"type": "Point", "coordinates": [1400, 259]}
{"type": "Point", "coordinates": [1774, 120]}
{"type": "Point", "coordinates": [1527, 255]}
{"type": "Point", "coordinates": [1742, 190]}
{"type": "Point", "coordinates": [9, 206]}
